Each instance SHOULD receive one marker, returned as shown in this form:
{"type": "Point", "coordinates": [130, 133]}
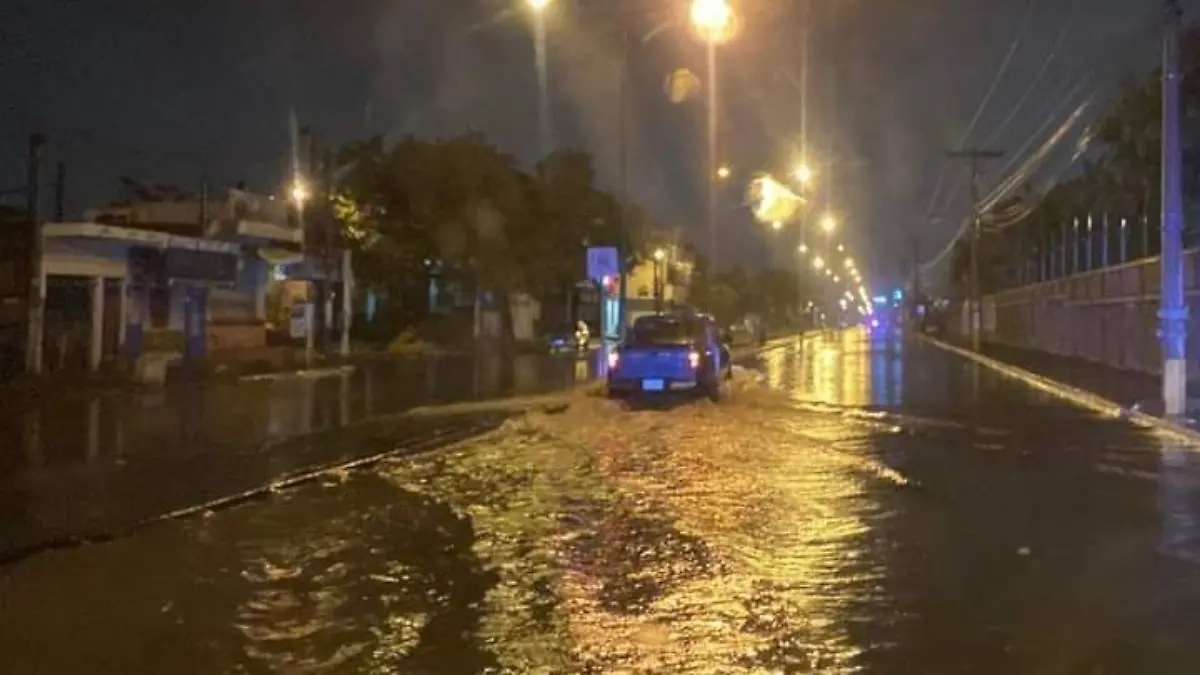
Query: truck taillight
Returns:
{"type": "Point", "coordinates": [613, 359]}
{"type": "Point", "coordinates": [694, 359]}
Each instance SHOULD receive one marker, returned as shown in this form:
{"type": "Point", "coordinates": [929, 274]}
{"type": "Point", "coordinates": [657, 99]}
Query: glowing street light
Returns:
{"type": "Point", "coordinates": [841, 248]}
{"type": "Point", "coordinates": [802, 173]}
{"type": "Point", "coordinates": [819, 263]}
{"type": "Point", "coordinates": [803, 248]}
{"type": "Point", "coordinates": [850, 263]}
{"type": "Point", "coordinates": [659, 254]}
{"type": "Point", "coordinates": [828, 223]}
{"type": "Point", "coordinates": [713, 19]}
{"type": "Point", "coordinates": [300, 192]}
{"type": "Point", "coordinates": [776, 225]}
{"type": "Point", "coordinates": [537, 5]}
{"type": "Point", "coordinates": [723, 172]}
{"type": "Point", "coordinates": [837, 279]}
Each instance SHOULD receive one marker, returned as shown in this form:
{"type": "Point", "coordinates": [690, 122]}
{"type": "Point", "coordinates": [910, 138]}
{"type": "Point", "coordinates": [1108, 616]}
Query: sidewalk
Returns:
{"type": "Point", "coordinates": [1124, 387]}
{"type": "Point", "coordinates": [1137, 394]}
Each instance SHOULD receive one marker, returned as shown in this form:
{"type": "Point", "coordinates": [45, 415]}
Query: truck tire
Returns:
{"type": "Point", "coordinates": [713, 389]}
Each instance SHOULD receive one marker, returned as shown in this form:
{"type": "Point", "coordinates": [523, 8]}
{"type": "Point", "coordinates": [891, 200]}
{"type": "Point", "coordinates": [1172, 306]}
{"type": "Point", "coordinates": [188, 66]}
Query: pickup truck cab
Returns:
{"type": "Point", "coordinates": [665, 354]}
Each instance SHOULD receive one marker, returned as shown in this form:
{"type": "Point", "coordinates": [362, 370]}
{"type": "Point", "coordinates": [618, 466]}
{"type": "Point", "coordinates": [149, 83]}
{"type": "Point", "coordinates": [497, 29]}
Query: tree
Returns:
{"type": "Point", "coordinates": [461, 207]}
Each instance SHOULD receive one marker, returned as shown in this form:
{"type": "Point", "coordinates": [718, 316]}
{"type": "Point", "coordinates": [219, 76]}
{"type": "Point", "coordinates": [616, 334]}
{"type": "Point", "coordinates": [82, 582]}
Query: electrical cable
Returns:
{"type": "Point", "coordinates": [991, 90]}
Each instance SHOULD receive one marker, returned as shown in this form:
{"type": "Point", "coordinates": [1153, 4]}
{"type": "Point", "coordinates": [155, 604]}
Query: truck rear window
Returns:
{"type": "Point", "coordinates": [650, 333]}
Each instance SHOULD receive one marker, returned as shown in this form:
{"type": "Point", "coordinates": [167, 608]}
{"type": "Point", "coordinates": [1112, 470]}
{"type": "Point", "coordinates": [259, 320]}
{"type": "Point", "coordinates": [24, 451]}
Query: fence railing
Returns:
{"type": "Point", "coordinates": [1083, 244]}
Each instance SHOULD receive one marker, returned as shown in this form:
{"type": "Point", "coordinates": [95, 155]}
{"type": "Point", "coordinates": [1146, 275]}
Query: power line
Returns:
{"type": "Point", "coordinates": [1005, 184]}
{"type": "Point", "coordinates": [1017, 38]}
{"type": "Point", "coordinates": [1037, 78]}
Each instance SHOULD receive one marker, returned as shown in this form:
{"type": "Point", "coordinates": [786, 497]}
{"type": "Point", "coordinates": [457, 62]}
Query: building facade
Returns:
{"type": "Point", "coordinates": [183, 277]}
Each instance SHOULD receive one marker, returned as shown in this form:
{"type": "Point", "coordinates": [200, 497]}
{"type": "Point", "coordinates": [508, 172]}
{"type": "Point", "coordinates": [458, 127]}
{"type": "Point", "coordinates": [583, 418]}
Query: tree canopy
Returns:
{"type": "Point", "coordinates": [464, 208]}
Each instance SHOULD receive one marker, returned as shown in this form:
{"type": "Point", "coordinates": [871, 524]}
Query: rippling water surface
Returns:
{"type": "Point", "coordinates": [862, 507]}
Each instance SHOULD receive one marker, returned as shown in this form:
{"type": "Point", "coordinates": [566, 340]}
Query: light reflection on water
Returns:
{"type": "Point", "coordinates": [1177, 501]}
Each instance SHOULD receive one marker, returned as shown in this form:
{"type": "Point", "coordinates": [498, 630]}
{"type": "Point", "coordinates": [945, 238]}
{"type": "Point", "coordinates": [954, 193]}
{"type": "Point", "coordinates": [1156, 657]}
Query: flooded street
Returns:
{"type": "Point", "coordinates": [93, 464]}
{"type": "Point", "coordinates": [856, 505]}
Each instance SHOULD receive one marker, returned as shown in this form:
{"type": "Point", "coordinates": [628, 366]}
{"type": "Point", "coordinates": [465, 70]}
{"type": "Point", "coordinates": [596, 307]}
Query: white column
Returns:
{"type": "Point", "coordinates": [97, 347]}
{"type": "Point", "coordinates": [123, 311]}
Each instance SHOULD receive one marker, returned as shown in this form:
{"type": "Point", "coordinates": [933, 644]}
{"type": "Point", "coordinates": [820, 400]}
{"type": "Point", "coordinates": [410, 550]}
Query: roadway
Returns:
{"type": "Point", "coordinates": [857, 504]}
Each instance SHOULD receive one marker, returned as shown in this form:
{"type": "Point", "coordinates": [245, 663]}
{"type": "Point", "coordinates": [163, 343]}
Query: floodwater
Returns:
{"type": "Point", "coordinates": [92, 464]}
{"type": "Point", "coordinates": [857, 505]}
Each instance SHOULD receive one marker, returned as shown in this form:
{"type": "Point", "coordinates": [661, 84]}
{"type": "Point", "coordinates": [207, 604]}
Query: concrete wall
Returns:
{"type": "Point", "coordinates": [1107, 315]}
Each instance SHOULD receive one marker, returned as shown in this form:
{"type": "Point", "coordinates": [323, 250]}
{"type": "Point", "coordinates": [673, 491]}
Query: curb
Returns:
{"type": "Point", "coordinates": [314, 373]}
{"type": "Point", "coordinates": [1080, 397]}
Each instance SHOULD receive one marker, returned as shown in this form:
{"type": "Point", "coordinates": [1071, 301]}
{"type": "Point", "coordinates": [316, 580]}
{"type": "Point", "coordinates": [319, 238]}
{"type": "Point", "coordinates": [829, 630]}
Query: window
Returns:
{"type": "Point", "coordinates": [657, 331]}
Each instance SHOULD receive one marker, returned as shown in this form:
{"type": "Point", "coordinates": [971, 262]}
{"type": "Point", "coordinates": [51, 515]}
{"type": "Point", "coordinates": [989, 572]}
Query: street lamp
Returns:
{"type": "Point", "coordinates": [828, 223]}
{"type": "Point", "coordinates": [819, 263]}
{"type": "Point", "coordinates": [849, 263]}
{"type": "Point", "coordinates": [713, 20]}
{"type": "Point", "coordinates": [803, 174]}
{"type": "Point", "coordinates": [803, 248]}
{"type": "Point", "coordinates": [539, 19]}
{"type": "Point", "coordinates": [659, 256]}
{"type": "Point", "coordinates": [300, 192]}
{"type": "Point", "coordinates": [723, 172]}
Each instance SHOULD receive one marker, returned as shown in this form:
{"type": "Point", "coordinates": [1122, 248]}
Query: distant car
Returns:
{"type": "Point", "coordinates": [666, 354]}
{"type": "Point", "coordinates": [567, 338]}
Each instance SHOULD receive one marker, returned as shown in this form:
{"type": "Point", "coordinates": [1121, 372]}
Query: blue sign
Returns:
{"type": "Point", "coordinates": [603, 261]}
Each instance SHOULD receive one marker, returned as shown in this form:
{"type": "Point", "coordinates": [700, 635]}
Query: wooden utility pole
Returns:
{"type": "Point", "coordinates": [974, 157]}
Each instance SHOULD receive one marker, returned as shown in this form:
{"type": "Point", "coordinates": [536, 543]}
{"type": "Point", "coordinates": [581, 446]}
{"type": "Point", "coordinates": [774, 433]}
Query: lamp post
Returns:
{"type": "Point", "coordinates": [713, 20]}
{"type": "Point", "coordinates": [538, 7]}
{"type": "Point", "coordinates": [659, 282]}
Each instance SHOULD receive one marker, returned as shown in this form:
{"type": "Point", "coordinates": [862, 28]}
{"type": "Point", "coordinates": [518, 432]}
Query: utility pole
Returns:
{"type": "Point", "coordinates": [1173, 310]}
{"type": "Point", "coordinates": [35, 310]}
{"type": "Point", "coordinates": [623, 182]}
{"type": "Point", "coordinates": [713, 169]}
{"type": "Point", "coordinates": [60, 192]}
{"type": "Point", "coordinates": [915, 298]}
{"type": "Point", "coordinates": [974, 156]}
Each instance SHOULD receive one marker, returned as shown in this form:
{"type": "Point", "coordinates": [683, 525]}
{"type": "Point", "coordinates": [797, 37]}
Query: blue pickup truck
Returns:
{"type": "Point", "coordinates": [670, 354]}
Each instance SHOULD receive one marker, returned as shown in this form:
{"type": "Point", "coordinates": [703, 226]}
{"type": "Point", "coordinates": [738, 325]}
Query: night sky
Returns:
{"type": "Point", "coordinates": [166, 91]}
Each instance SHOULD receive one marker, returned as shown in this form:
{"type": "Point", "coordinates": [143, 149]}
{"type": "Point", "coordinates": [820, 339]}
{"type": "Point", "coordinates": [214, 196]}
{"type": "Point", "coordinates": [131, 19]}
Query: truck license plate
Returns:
{"type": "Point", "coordinates": [653, 384]}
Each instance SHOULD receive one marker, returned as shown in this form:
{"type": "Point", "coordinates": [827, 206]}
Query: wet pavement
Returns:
{"type": "Point", "coordinates": [855, 505]}
{"type": "Point", "coordinates": [87, 465]}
